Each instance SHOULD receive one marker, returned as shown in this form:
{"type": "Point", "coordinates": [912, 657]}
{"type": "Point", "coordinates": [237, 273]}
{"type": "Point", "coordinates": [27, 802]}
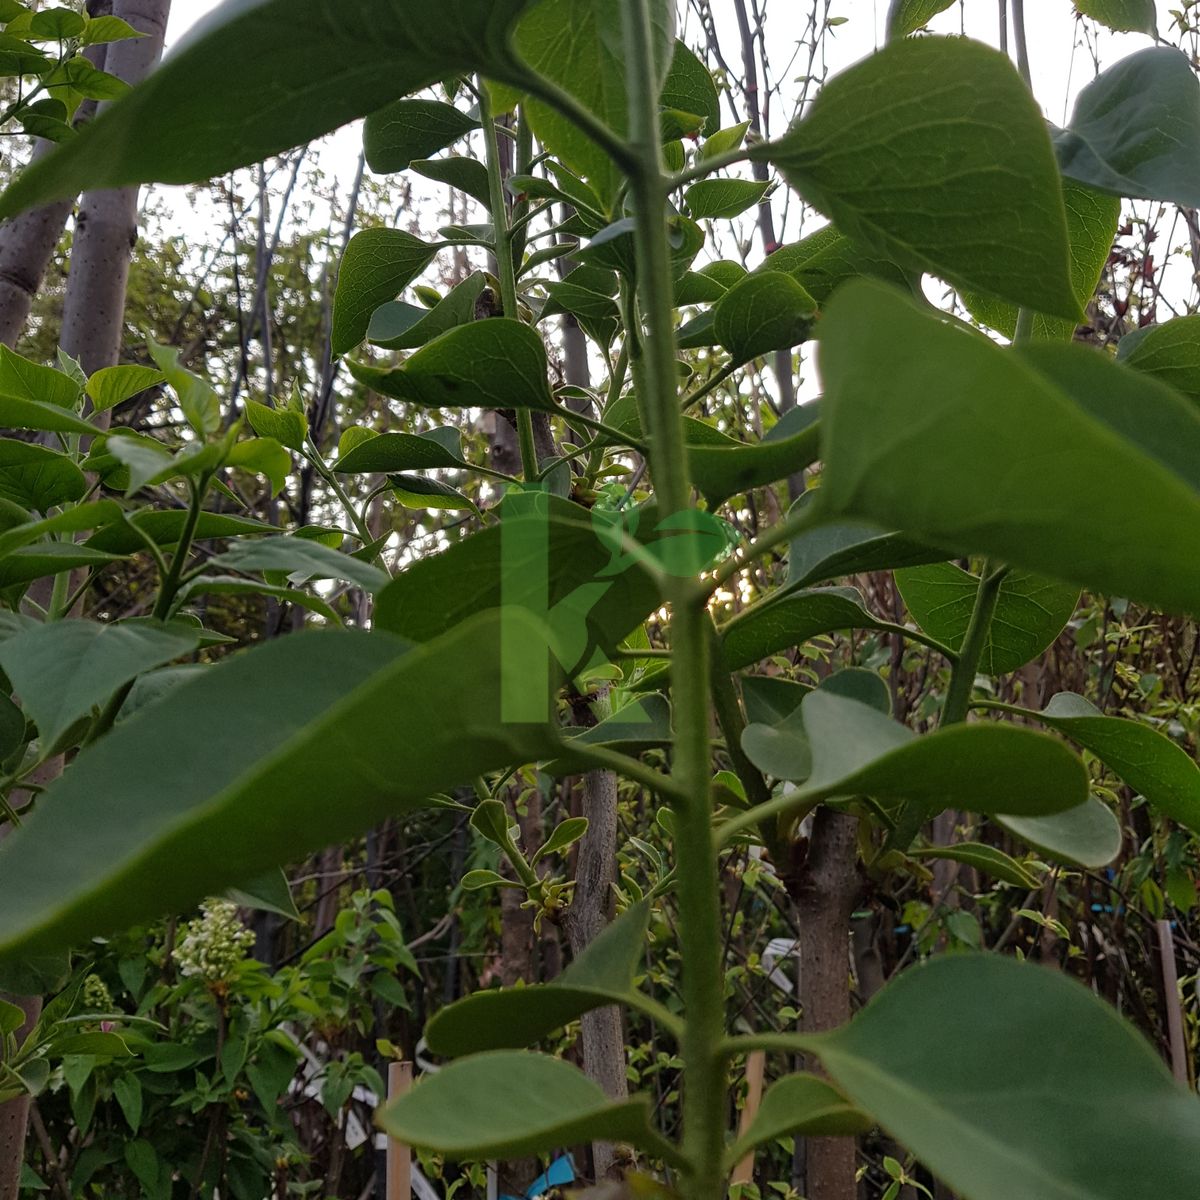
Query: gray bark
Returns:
{"type": "Point", "coordinates": [27, 242]}
{"type": "Point", "coordinates": [602, 1033]}
{"type": "Point", "coordinates": [106, 225]}
{"type": "Point", "coordinates": [825, 891]}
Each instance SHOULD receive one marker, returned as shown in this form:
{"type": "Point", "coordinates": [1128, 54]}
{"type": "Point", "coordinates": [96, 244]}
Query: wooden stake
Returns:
{"type": "Point", "coordinates": [1166, 954]}
{"type": "Point", "coordinates": [399, 1156]}
{"type": "Point", "coordinates": [755, 1062]}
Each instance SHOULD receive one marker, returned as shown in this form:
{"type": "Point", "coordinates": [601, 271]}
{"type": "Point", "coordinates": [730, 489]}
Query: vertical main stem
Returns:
{"type": "Point", "coordinates": [505, 267]}
{"type": "Point", "coordinates": [704, 1097]}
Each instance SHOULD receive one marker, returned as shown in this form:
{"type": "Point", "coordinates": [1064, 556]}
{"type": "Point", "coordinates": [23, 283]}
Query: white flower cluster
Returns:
{"type": "Point", "coordinates": [213, 944]}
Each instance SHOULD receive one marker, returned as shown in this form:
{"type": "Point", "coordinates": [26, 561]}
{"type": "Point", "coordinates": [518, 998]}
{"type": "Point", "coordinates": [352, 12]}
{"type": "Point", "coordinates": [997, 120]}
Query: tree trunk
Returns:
{"type": "Point", "coordinates": [106, 225]}
{"type": "Point", "coordinates": [603, 1035]}
{"type": "Point", "coordinates": [825, 890]}
{"type": "Point", "coordinates": [27, 242]}
{"type": "Point", "coordinates": [14, 1114]}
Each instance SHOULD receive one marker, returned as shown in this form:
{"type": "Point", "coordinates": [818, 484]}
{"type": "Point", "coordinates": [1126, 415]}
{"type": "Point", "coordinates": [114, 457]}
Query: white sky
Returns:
{"type": "Point", "coordinates": [1060, 60]}
{"type": "Point", "coordinates": [1061, 50]}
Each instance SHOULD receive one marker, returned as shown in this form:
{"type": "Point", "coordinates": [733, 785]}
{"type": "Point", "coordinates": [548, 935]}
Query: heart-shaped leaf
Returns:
{"type": "Point", "coordinates": [63, 669]}
{"type": "Point", "coordinates": [903, 151]}
{"type": "Point", "coordinates": [377, 266]}
{"type": "Point", "coordinates": [1030, 611]}
{"type": "Point", "coordinates": [1006, 1079]}
{"type": "Point", "coordinates": [1135, 130]}
{"type": "Point", "coordinates": [408, 129]}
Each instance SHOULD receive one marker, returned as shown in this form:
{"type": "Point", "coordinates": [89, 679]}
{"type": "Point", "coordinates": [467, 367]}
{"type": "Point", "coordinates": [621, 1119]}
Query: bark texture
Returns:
{"type": "Point", "coordinates": [27, 242]}
{"type": "Point", "coordinates": [106, 224]}
{"type": "Point", "coordinates": [602, 1032]}
{"type": "Point", "coordinates": [825, 891]}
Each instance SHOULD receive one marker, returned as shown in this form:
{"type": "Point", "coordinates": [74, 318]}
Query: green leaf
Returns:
{"type": "Point", "coordinates": [286, 426]}
{"type": "Point", "coordinates": [262, 456]}
{"type": "Point", "coordinates": [1130, 16]}
{"type": "Point", "coordinates": [400, 326]}
{"type": "Point", "coordinates": [500, 363]}
{"type": "Point", "coordinates": [377, 266]}
{"type": "Point", "coordinates": [165, 526]}
{"type": "Point", "coordinates": [984, 858]}
{"type": "Point", "coordinates": [197, 398]}
{"type": "Point", "coordinates": [467, 175]}
{"type": "Point", "coordinates": [1170, 352]}
{"type": "Point", "coordinates": [1135, 130]}
{"type": "Point", "coordinates": [803, 1105]}
{"type": "Point", "coordinates": [16, 413]}
{"type": "Point", "coordinates": [1008, 1080]}
{"type": "Point", "coordinates": [989, 768]}
{"type": "Point", "coordinates": [455, 1112]}
{"type": "Point", "coordinates": [689, 88]}
{"type": "Point", "coordinates": [592, 599]}
{"type": "Point", "coordinates": [37, 477]}
{"type": "Point", "coordinates": [111, 386]}
{"type": "Point", "coordinates": [963, 449]}
{"type": "Point", "coordinates": [765, 311]}
{"type": "Point", "coordinates": [564, 835]}
{"type": "Point", "coordinates": [906, 152]}
{"type": "Point", "coordinates": [415, 491]}
{"type": "Point", "coordinates": [259, 760]}
{"type": "Point", "coordinates": [833, 550]}
{"type": "Point", "coordinates": [215, 104]}
{"type": "Point", "coordinates": [789, 619]}
{"type": "Point", "coordinates": [12, 728]}
{"type": "Point", "coordinates": [385, 453]}
{"type": "Point", "coordinates": [107, 29]}
{"type": "Point", "coordinates": [231, 585]}
{"type": "Point", "coordinates": [1091, 226]}
{"type": "Point", "coordinates": [779, 748]}
{"type": "Point", "coordinates": [11, 1018]}
{"type": "Point", "coordinates": [723, 199]}
{"type": "Point", "coordinates": [1148, 761]}
{"type": "Point", "coordinates": [128, 1092]}
{"type": "Point", "coordinates": [57, 24]}
{"type": "Point", "coordinates": [408, 129]}
{"type": "Point", "coordinates": [300, 559]}
{"type": "Point", "coordinates": [721, 466]}
{"type": "Point", "coordinates": [269, 892]}
{"type": "Point", "coordinates": [907, 16]}
{"type": "Point", "coordinates": [474, 881]}
{"type": "Point", "coordinates": [490, 820]}
{"type": "Point", "coordinates": [578, 44]}
{"type": "Point", "coordinates": [1087, 836]}
{"type": "Point", "coordinates": [723, 140]}
{"type": "Point", "coordinates": [48, 558]}
{"type": "Point", "coordinates": [1030, 611]}
{"type": "Point", "coordinates": [63, 669]}
{"type": "Point", "coordinates": [513, 1018]}
{"type": "Point", "coordinates": [25, 380]}
{"type": "Point", "coordinates": [826, 259]}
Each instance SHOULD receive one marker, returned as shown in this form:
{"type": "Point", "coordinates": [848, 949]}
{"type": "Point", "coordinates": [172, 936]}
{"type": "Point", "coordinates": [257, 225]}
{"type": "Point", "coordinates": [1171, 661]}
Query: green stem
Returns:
{"type": "Point", "coordinates": [704, 1101]}
{"type": "Point", "coordinates": [168, 588]}
{"type": "Point", "coordinates": [713, 382]}
{"type": "Point", "coordinates": [313, 455]}
{"type": "Point", "coordinates": [962, 677]}
{"type": "Point", "coordinates": [502, 235]}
